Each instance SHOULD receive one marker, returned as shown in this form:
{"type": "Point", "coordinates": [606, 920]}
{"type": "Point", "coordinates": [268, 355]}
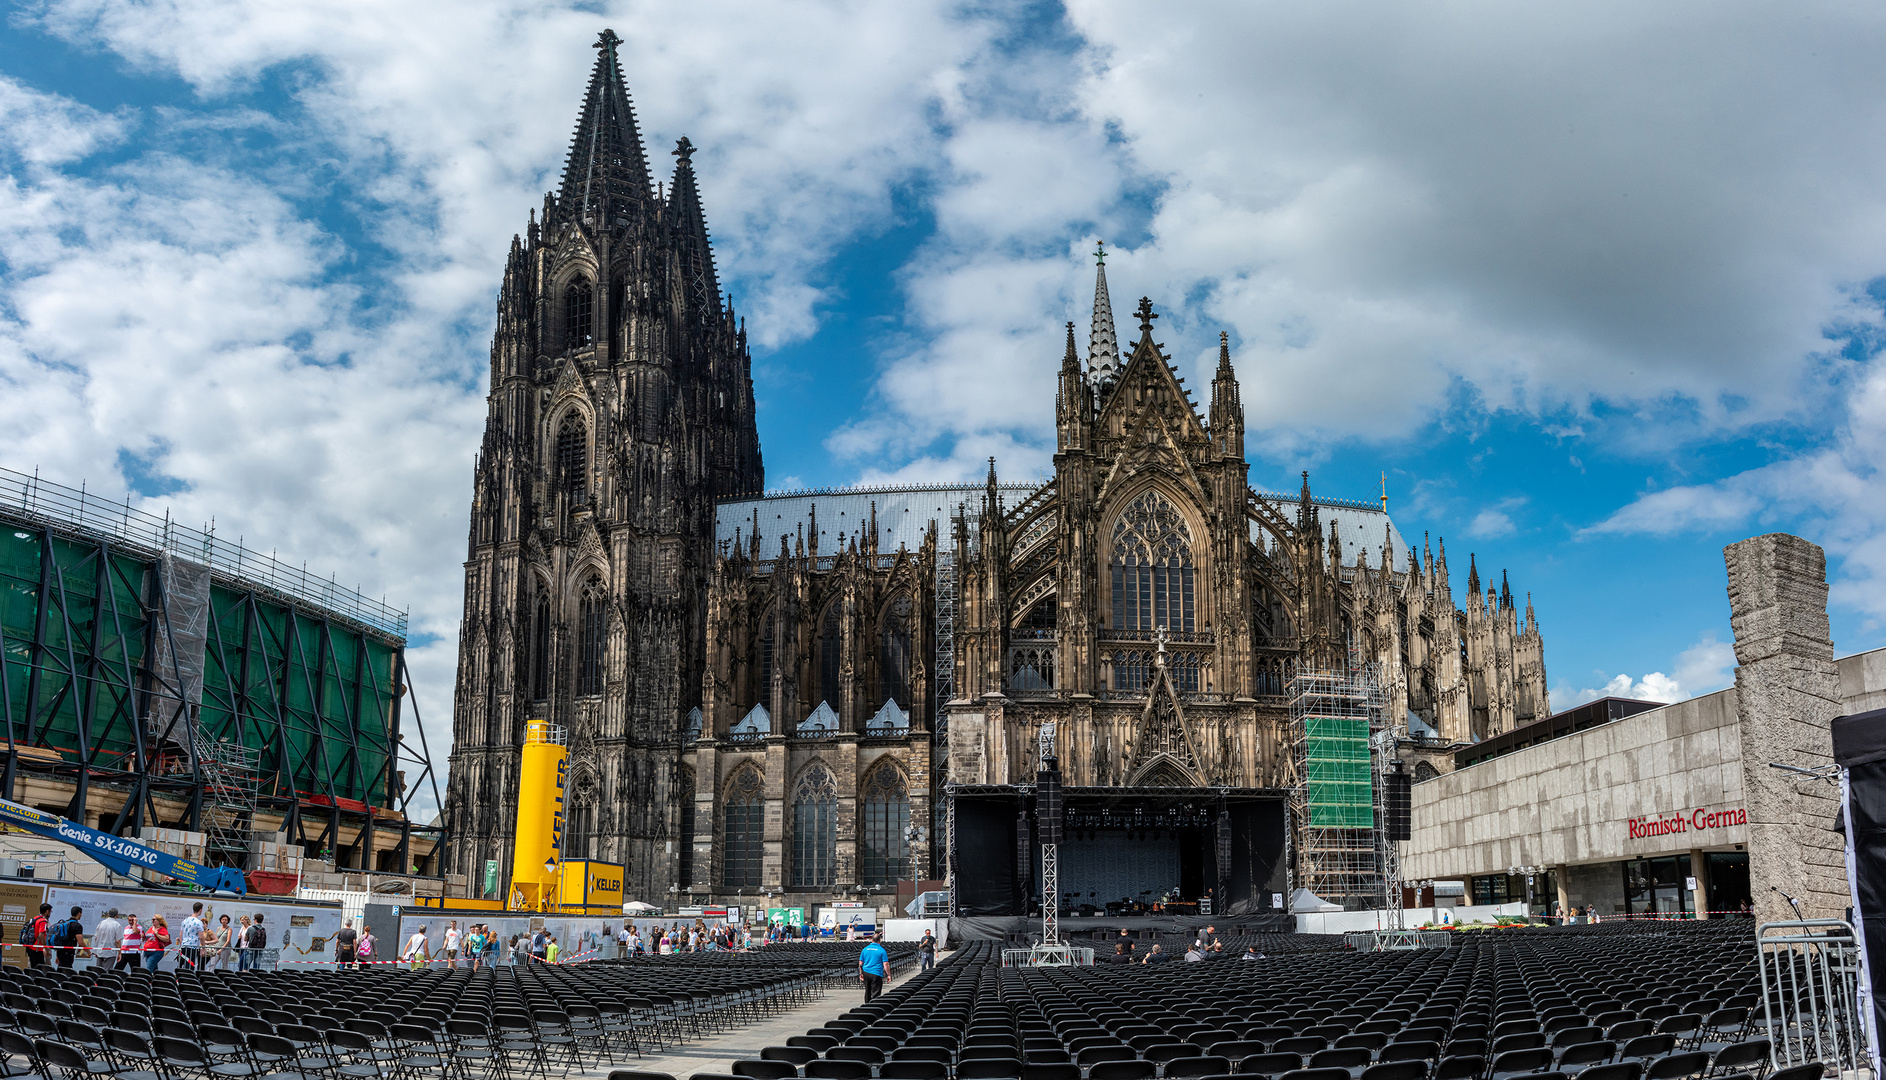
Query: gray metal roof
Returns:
{"type": "Point", "coordinates": [904, 515]}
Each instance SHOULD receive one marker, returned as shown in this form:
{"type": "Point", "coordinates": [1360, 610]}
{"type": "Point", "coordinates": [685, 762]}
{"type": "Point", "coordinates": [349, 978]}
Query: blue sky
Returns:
{"type": "Point", "coordinates": [1598, 289]}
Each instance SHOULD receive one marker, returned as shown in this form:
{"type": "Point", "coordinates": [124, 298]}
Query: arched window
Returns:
{"type": "Point", "coordinates": [1031, 669]}
{"type": "Point", "coordinates": [1041, 619]}
{"type": "Point", "coordinates": [1184, 668]}
{"type": "Point", "coordinates": [582, 825]}
{"type": "Point", "coordinates": [1129, 671]}
{"type": "Point", "coordinates": [573, 459]}
{"type": "Point", "coordinates": [592, 628]}
{"type": "Point", "coordinates": [1270, 679]}
{"type": "Point", "coordinates": [684, 795]}
{"type": "Point", "coordinates": [883, 852]}
{"type": "Point", "coordinates": [831, 656]}
{"type": "Point", "coordinates": [1152, 567]}
{"type": "Point", "coordinates": [815, 829]}
{"type": "Point", "coordinates": [894, 653]}
{"type": "Point", "coordinates": [579, 304]}
{"type": "Point", "coordinates": [763, 692]}
{"type": "Point", "coordinates": [744, 835]}
{"type": "Point", "coordinates": [540, 647]}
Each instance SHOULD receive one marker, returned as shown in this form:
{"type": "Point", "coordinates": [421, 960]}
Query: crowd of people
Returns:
{"type": "Point", "coordinates": [1207, 946]}
{"type": "Point", "coordinates": [208, 941]}
{"type": "Point", "coordinates": [203, 941]}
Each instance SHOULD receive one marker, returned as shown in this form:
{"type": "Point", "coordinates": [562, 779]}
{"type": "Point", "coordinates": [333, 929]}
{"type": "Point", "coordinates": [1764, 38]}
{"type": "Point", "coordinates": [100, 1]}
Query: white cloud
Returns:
{"type": "Point", "coordinates": [189, 311]}
{"type": "Point", "coordinates": [1495, 521]}
{"type": "Point", "coordinates": [1662, 208]}
{"type": "Point", "coordinates": [1703, 668]}
{"type": "Point", "coordinates": [1834, 495]}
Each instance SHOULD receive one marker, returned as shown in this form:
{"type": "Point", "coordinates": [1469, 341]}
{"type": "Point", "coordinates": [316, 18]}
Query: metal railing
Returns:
{"type": "Point", "coordinates": [1058, 955]}
{"type": "Point", "coordinates": [27, 497]}
{"type": "Point", "coordinates": [1811, 1001]}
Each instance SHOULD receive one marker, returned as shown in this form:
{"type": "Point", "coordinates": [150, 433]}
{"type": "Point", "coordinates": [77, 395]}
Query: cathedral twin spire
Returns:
{"type": "Point", "coordinates": [606, 174]}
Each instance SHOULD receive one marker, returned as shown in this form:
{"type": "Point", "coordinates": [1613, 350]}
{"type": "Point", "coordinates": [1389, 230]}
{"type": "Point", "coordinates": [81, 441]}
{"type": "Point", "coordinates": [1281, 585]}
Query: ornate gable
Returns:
{"type": "Point", "coordinates": [1164, 739]}
{"type": "Point", "coordinates": [1148, 421]}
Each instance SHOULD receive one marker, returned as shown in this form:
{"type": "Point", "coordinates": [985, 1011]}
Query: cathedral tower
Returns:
{"type": "Point", "coordinates": [620, 409]}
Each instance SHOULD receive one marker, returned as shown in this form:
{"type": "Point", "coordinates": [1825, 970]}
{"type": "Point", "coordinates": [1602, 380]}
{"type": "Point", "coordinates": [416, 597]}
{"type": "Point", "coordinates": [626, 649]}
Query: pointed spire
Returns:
{"type": "Point", "coordinates": [1103, 345]}
{"type": "Point", "coordinates": [1473, 577]}
{"type": "Point", "coordinates": [1071, 361]}
{"type": "Point", "coordinates": [606, 174]}
{"type": "Point", "coordinates": [1506, 592]}
{"type": "Point", "coordinates": [687, 225]}
{"type": "Point", "coordinates": [1227, 411]}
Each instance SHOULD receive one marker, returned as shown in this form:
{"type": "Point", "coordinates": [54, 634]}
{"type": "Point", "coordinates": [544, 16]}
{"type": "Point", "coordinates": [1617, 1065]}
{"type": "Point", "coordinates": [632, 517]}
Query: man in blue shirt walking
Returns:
{"type": "Point", "coordinates": [871, 966]}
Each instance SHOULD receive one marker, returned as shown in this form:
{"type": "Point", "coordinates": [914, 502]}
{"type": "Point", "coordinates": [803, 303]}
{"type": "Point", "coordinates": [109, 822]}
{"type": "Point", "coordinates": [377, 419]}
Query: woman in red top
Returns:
{"type": "Point", "coordinates": [156, 940]}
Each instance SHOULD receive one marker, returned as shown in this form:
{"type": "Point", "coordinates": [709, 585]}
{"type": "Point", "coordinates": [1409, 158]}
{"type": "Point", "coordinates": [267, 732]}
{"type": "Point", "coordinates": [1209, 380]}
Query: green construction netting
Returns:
{"type": "Point", "coordinates": [313, 699]}
{"type": "Point", "coordinates": [1338, 780]}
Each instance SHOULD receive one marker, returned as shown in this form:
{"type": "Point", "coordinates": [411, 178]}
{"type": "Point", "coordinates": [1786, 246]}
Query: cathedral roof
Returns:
{"type": "Point", "coordinates": [904, 514]}
{"type": "Point", "coordinates": [1360, 525]}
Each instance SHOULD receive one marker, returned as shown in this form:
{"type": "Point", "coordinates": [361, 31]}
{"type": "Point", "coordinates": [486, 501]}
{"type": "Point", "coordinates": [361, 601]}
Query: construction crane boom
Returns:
{"type": "Point", "coordinates": [121, 855]}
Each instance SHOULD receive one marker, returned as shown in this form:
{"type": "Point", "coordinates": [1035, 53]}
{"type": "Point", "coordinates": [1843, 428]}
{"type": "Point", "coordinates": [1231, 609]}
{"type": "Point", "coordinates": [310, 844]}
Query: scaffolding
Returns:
{"type": "Point", "coordinates": [152, 676]}
{"type": "Point", "coordinates": [1335, 716]}
{"type": "Point", "coordinates": [231, 789]}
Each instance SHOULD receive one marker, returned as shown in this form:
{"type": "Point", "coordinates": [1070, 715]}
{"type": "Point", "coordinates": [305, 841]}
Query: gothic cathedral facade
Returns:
{"type": "Point", "coordinates": [773, 695]}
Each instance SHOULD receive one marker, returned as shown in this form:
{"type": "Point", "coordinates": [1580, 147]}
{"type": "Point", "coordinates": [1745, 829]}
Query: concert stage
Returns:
{"type": "Point", "coordinates": [1220, 851]}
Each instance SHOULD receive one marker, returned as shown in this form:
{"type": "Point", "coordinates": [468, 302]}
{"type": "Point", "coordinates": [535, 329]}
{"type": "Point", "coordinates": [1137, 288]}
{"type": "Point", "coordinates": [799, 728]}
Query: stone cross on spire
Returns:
{"type": "Point", "coordinates": [1146, 314]}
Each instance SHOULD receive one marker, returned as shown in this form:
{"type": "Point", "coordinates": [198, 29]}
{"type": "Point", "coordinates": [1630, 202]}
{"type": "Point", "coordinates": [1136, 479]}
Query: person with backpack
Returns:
{"type": "Point", "coordinates": [67, 937]}
{"type": "Point", "coordinates": [346, 944]}
{"type": "Point", "coordinates": [254, 940]}
{"type": "Point", "coordinates": [33, 937]}
{"type": "Point", "coordinates": [364, 951]}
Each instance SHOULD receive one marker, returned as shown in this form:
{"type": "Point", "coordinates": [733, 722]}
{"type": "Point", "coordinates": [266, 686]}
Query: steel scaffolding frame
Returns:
{"type": "Point", "coordinates": [1334, 718]}
{"type": "Point", "coordinates": [1387, 851]}
{"type": "Point", "coordinates": [128, 665]}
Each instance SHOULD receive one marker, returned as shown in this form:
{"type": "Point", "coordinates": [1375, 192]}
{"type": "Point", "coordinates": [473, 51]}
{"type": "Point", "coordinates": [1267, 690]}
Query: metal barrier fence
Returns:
{"type": "Point", "coordinates": [1396, 940]}
{"type": "Point", "coordinates": [1811, 1005]}
{"type": "Point", "coordinates": [1062, 955]}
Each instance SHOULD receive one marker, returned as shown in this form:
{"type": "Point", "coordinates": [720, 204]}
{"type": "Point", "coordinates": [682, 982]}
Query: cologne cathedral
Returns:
{"type": "Point", "coordinates": [812, 696]}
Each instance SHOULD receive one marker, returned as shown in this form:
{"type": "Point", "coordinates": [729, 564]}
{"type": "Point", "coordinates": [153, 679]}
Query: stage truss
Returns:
{"type": "Point", "coordinates": [1335, 718]}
